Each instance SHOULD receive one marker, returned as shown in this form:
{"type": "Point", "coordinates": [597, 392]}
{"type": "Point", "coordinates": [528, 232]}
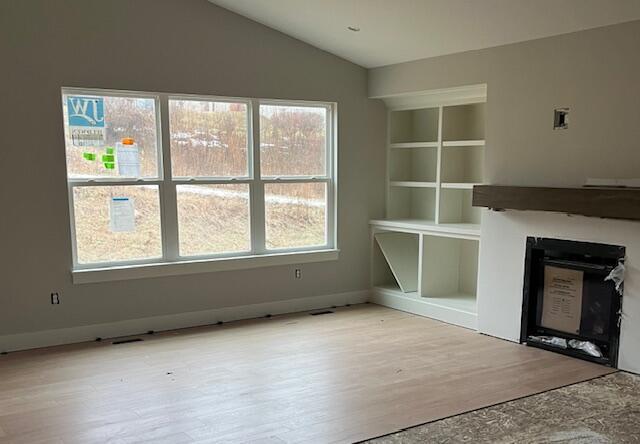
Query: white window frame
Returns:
{"type": "Point", "coordinates": [328, 178]}
{"type": "Point", "coordinates": [171, 262]}
{"type": "Point", "coordinates": [172, 221]}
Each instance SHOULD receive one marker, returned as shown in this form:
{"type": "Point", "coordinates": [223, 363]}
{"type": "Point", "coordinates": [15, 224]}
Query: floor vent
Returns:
{"type": "Point", "coordinates": [317, 313]}
{"type": "Point", "coordinates": [127, 341]}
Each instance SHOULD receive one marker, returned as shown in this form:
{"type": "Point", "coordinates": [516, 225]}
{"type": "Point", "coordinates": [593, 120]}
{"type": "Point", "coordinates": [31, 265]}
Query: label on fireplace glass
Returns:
{"type": "Point", "coordinates": [562, 299]}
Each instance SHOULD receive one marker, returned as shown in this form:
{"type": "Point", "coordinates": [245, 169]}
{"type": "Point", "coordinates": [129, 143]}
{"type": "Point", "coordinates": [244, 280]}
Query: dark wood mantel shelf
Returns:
{"type": "Point", "coordinates": [613, 203]}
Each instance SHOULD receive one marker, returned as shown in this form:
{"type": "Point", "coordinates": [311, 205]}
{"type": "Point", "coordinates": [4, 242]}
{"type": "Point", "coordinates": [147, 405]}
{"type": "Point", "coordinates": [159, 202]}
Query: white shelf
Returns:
{"type": "Point", "coordinates": [406, 145]}
{"type": "Point", "coordinates": [412, 184]}
{"type": "Point", "coordinates": [458, 309]}
{"type": "Point", "coordinates": [458, 301]}
{"type": "Point", "coordinates": [394, 289]}
{"type": "Point", "coordinates": [471, 143]}
{"type": "Point", "coordinates": [460, 185]}
{"type": "Point", "coordinates": [464, 231]}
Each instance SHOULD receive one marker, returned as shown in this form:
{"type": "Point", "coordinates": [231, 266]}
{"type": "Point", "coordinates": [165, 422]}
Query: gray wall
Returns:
{"type": "Point", "coordinates": [596, 74]}
{"type": "Point", "coordinates": [183, 46]}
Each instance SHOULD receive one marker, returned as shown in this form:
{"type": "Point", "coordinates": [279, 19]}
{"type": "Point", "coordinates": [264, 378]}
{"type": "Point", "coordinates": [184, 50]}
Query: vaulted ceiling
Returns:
{"type": "Point", "coordinates": [393, 31]}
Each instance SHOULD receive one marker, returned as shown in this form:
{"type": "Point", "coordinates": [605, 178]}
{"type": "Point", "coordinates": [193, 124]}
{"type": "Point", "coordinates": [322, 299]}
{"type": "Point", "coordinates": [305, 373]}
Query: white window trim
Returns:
{"type": "Point", "coordinates": [171, 263]}
{"type": "Point", "coordinates": [162, 269]}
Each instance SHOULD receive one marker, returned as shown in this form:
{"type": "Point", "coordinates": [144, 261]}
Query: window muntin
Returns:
{"type": "Point", "coordinates": [124, 116]}
{"type": "Point", "coordinates": [209, 138]}
{"type": "Point", "coordinates": [293, 140]}
{"type": "Point", "coordinates": [246, 212]}
{"type": "Point", "coordinates": [213, 219]}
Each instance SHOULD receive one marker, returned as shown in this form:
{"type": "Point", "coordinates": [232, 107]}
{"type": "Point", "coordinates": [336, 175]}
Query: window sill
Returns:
{"type": "Point", "coordinates": [141, 271]}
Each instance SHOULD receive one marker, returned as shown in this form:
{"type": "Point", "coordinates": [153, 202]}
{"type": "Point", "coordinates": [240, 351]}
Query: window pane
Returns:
{"type": "Point", "coordinates": [117, 223]}
{"type": "Point", "coordinates": [213, 219]}
{"type": "Point", "coordinates": [295, 215]}
{"type": "Point", "coordinates": [124, 117]}
{"type": "Point", "coordinates": [208, 139]}
{"type": "Point", "coordinates": [293, 140]}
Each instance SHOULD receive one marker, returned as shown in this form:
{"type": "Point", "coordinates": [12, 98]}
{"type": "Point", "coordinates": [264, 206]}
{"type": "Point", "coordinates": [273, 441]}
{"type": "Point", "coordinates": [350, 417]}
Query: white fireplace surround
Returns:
{"type": "Point", "coordinates": [501, 269]}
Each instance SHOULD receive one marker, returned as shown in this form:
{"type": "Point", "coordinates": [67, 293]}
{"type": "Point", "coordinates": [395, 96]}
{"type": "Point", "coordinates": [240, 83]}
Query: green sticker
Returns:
{"type": "Point", "coordinates": [109, 165]}
{"type": "Point", "coordinates": [108, 158]}
{"type": "Point", "coordinates": [109, 150]}
{"type": "Point", "coordinates": [89, 156]}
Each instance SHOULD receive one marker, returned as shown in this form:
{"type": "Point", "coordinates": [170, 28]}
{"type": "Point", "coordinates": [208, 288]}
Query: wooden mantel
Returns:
{"type": "Point", "coordinates": [613, 203]}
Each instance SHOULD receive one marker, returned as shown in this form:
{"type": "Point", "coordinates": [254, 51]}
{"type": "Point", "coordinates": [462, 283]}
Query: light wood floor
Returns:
{"type": "Point", "coordinates": [358, 373]}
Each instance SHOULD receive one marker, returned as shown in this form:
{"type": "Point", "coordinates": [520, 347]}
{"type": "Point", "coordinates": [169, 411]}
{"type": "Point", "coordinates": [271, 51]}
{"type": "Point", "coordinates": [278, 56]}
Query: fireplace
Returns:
{"type": "Point", "coordinates": [572, 298]}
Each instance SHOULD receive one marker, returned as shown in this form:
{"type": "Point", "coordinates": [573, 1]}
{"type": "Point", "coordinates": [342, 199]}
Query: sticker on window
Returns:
{"type": "Point", "coordinates": [128, 158]}
{"type": "Point", "coordinates": [122, 215]}
{"type": "Point", "coordinates": [86, 120]}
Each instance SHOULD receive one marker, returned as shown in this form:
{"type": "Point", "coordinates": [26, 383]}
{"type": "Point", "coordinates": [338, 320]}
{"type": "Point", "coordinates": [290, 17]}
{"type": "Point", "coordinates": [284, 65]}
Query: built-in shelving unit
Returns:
{"type": "Point", "coordinates": [425, 253]}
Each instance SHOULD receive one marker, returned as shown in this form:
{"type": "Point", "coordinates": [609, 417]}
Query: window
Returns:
{"type": "Point", "coordinates": [220, 178]}
{"type": "Point", "coordinates": [210, 151]}
{"type": "Point", "coordinates": [293, 165]}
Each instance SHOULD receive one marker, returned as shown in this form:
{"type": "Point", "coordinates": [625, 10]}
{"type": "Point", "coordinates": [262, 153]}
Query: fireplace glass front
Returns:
{"type": "Point", "coordinates": [572, 298]}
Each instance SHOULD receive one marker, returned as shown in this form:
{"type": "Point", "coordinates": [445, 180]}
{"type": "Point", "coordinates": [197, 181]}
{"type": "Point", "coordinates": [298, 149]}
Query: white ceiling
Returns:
{"type": "Point", "coordinates": [393, 31]}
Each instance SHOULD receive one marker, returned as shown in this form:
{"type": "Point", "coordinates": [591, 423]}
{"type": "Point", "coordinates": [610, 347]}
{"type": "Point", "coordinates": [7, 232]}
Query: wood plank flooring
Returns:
{"type": "Point", "coordinates": [358, 373]}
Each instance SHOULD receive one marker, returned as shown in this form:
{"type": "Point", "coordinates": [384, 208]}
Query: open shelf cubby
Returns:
{"type": "Point", "coordinates": [400, 254]}
{"type": "Point", "coordinates": [381, 274]}
{"type": "Point", "coordinates": [415, 125]}
{"type": "Point", "coordinates": [462, 164]}
{"type": "Point", "coordinates": [463, 122]}
{"type": "Point", "coordinates": [413, 164]}
{"type": "Point", "coordinates": [455, 207]}
{"type": "Point", "coordinates": [412, 203]}
{"type": "Point", "coordinates": [449, 271]}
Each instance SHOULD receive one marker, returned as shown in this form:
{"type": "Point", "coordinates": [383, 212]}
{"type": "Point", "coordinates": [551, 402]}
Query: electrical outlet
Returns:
{"type": "Point", "coordinates": [298, 273]}
{"type": "Point", "coordinates": [55, 298]}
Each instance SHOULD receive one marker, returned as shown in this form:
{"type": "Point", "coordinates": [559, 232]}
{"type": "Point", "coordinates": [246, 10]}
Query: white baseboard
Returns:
{"type": "Point", "coordinates": [47, 338]}
{"type": "Point", "coordinates": [422, 308]}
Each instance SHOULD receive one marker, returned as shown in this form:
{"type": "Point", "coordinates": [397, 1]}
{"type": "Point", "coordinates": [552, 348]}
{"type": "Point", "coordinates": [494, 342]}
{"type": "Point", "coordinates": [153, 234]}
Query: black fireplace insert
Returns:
{"type": "Point", "coordinates": [572, 298]}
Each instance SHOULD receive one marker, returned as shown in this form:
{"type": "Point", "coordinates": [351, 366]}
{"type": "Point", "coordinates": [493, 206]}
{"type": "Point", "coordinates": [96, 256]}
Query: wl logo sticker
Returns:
{"type": "Point", "coordinates": [86, 120]}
